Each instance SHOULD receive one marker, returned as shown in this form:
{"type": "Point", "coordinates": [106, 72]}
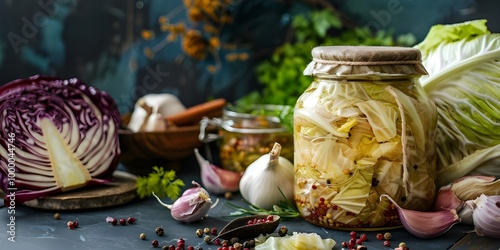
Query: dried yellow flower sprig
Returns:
{"type": "Point", "coordinates": [211, 16]}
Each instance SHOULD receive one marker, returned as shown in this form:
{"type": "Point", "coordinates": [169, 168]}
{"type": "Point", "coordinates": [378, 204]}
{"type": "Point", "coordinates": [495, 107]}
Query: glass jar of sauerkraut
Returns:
{"type": "Point", "coordinates": [363, 128]}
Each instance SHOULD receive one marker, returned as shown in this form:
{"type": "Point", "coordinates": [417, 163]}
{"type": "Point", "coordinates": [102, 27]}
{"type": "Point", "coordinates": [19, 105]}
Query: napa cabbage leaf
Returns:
{"type": "Point", "coordinates": [463, 62]}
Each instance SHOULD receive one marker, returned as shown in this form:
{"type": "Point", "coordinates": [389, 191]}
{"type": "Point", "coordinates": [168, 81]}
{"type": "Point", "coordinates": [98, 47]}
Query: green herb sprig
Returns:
{"type": "Point", "coordinates": [285, 209]}
{"type": "Point", "coordinates": [162, 183]}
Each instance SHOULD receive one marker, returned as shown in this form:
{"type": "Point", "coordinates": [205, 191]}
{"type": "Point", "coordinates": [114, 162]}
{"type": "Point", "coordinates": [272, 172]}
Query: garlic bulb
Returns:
{"type": "Point", "coordinates": [486, 215]}
{"type": "Point", "coordinates": [265, 177]}
{"type": "Point", "coordinates": [150, 112]}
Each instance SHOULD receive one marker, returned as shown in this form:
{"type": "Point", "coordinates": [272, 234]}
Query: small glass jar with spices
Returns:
{"type": "Point", "coordinates": [363, 128]}
{"type": "Point", "coordinates": [247, 134]}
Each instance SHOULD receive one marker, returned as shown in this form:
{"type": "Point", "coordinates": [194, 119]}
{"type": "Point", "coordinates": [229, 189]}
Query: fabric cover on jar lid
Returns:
{"type": "Point", "coordinates": [365, 60]}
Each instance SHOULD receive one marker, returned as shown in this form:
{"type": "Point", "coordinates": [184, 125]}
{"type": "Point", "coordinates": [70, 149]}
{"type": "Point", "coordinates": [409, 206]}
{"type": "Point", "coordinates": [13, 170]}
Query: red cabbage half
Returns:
{"type": "Point", "coordinates": [56, 135]}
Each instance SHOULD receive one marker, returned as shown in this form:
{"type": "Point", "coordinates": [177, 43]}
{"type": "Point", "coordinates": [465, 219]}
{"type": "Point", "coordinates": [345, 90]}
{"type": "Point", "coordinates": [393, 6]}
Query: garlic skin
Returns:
{"type": "Point", "coordinates": [192, 206]}
{"type": "Point", "coordinates": [486, 215]}
{"type": "Point", "coordinates": [148, 108]}
{"type": "Point", "coordinates": [217, 180]}
{"type": "Point", "coordinates": [265, 177]}
{"type": "Point", "coordinates": [472, 186]}
{"type": "Point", "coordinates": [426, 225]}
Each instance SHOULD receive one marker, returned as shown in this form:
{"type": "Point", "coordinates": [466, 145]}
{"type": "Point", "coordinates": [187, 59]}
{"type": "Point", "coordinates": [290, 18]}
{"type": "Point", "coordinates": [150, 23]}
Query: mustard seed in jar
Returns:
{"type": "Point", "coordinates": [359, 130]}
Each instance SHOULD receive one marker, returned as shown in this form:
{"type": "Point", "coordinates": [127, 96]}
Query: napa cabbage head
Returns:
{"type": "Point", "coordinates": [463, 62]}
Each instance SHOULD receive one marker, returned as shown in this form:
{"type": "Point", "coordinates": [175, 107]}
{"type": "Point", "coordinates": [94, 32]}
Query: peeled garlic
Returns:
{"type": "Point", "coordinates": [265, 177]}
{"type": "Point", "coordinates": [486, 215]}
{"type": "Point", "coordinates": [150, 112]}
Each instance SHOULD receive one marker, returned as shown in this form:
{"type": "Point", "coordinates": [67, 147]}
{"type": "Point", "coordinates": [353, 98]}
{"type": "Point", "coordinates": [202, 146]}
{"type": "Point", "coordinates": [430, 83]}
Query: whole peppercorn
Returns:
{"type": "Point", "coordinates": [351, 243]}
{"type": "Point", "coordinates": [130, 220]}
{"type": "Point", "coordinates": [206, 230]}
{"type": "Point", "coordinates": [238, 246]}
{"type": "Point", "coordinates": [154, 243]}
{"type": "Point", "coordinates": [199, 233]}
{"type": "Point", "coordinates": [363, 237]}
{"type": "Point", "coordinates": [228, 195]}
{"type": "Point", "coordinates": [57, 216]}
{"type": "Point", "coordinates": [159, 231]}
{"type": "Point", "coordinates": [387, 236]}
{"type": "Point", "coordinates": [224, 243]}
{"type": "Point", "coordinates": [380, 236]}
{"type": "Point", "coordinates": [165, 247]}
{"type": "Point", "coordinates": [71, 225]}
{"type": "Point", "coordinates": [402, 246]}
{"type": "Point", "coordinates": [283, 231]}
{"type": "Point", "coordinates": [361, 247]}
{"type": "Point", "coordinates": [114, 221]}
{"type": "Point", "coordinates": [181, 243]}
{"type": "Point", "coordinates": [249, 244]}
{"type": "Point", "coordinates": [123, 222]}
{"type": "Point", "coordinates": [353, 234]}
{"type": "Point", "coordinates": [234, 240]}
{"type": "Point", "coordinates": [217, 241]}
{"type": "Point", "coordinates": [142, 236]}
{"type": "Point", "coordinates": [207, 239]}
{"type": "Point", "coordinates": [213, 231]}
{"type": "Point", "coordinates": [387, 243]}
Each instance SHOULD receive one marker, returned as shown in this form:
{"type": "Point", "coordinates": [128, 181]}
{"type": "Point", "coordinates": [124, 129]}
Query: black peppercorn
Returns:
{"type": "Point", "coordinates": [159, 231]}
{"type": "Point", "coordinates": [234, 240]}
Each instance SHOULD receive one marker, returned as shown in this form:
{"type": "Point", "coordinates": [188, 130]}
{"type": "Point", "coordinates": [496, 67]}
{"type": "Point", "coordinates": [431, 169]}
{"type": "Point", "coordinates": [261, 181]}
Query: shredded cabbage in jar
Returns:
{"type": "Point", "coordinates": [358, 140]}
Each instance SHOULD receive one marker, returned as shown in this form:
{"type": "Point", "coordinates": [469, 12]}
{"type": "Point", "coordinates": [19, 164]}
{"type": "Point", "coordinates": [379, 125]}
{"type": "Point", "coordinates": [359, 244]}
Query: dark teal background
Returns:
{"type": "Point", "coordinates": [99, 41]}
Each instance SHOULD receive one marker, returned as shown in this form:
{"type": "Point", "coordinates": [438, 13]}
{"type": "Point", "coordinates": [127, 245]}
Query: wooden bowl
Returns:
{"type": "Point", "coordinates": [142, 150]}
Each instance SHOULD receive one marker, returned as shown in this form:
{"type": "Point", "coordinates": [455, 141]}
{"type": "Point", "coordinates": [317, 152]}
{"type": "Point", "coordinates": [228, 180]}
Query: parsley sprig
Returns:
{"type": "Point", "coordinates": [162, 183]}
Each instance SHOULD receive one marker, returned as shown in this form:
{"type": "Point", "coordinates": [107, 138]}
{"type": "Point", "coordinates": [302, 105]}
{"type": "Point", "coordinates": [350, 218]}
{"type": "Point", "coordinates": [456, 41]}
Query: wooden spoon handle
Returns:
{"type": "Point", "coordinates": [195, 113]}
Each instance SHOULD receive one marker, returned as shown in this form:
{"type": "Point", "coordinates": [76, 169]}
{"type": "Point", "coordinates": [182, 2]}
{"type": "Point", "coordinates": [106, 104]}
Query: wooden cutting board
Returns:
{"type": "Point", "coordinates": [120, 191]}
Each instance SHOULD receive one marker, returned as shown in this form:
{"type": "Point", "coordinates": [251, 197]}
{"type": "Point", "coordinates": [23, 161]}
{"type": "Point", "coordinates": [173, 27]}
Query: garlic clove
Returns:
{"type": "Point", "coordinates": [465, 213]}
{"type": "Point", "coordinates": [426, 224]}
{"type": "Point", "coordinates": [215, 179]}
{"type": "Point", "coordinates": [486, 215]}
{"type": "Point", "coordinates": [446, 199]}
{"type": "Point", "coordinates": [192, 206]}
